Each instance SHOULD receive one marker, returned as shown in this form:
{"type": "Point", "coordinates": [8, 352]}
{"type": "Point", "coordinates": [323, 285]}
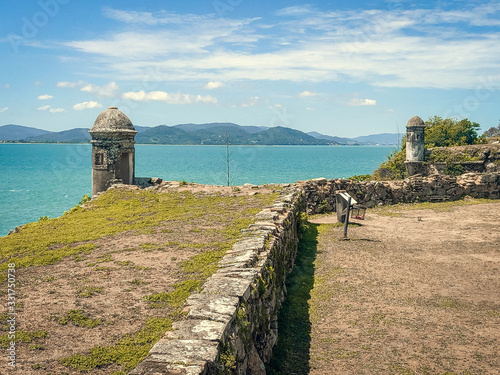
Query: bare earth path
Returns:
{"type": "Point", "coordinates": [412, 292]}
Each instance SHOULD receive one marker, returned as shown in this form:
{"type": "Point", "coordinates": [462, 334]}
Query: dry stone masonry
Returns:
{"type": "Point", "coordinates": [231, 326]}
{"type": "Point", "coordinates": [320, 192]}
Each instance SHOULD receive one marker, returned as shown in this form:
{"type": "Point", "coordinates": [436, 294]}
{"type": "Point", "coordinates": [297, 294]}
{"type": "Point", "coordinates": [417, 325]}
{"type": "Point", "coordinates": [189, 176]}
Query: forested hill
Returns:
{"type": "Point", "coordinates": [188, 134]}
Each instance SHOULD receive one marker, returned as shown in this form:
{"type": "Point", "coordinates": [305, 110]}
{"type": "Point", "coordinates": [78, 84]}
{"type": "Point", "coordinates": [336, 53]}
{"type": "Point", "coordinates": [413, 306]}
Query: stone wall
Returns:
{"type": "Point", "coordinates": [231, 325]}
{"type": "Point", "coordinates": [320, 193]}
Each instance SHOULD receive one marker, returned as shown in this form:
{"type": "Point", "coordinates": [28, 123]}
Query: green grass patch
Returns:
{"type": "Point", "coordinates": [206, 263]}
{"type": "Point", "coordinates": [77, 318]}
{"type": "Point", "coordinates": [42, 257]}
{"type": "Point", "coordinates": [88, 291]}
{"type": "Point", "coordinates": [291, 353]}
{"type": "Point", "coordinates": [127, 352]}
{"type": "Point", "coordinates": [49, 240]}
{"type": "Point", "coordinates": [177, 297]}
{"type": "Point", "coordinates": [22, 336]}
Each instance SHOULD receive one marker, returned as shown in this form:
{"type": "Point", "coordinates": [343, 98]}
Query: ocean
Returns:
{"type": "Point", "coordinates": [47, 179]}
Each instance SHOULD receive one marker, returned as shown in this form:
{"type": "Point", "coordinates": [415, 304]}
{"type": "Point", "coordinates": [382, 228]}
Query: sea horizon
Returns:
{"type": "Point", "coordinates": [46, 179]}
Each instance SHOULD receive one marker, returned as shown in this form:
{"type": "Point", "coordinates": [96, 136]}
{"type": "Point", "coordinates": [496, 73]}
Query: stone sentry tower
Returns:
{"type": "Point", "coordinates": [415, 146]}
{"type": "Point", "coordinates": [113, 153]}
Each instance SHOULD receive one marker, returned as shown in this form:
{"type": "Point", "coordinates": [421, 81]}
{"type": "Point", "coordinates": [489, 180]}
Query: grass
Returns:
{"type": "Point", "coordinates": [88, 291]}
{"type": "Point", "coordinates": [49, 241]}
{"type": "Point", "coordinates": [291, 354]}
{"type": "Point", "coordinates": [22, 336]}
{"type": "Point", "coordinates": [77, 318]}
{"type": "Point", "coordinates": [127, 352]}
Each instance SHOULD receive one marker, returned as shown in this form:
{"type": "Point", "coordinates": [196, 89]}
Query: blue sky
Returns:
{"type": "Point", "coordinates": [342, 68]}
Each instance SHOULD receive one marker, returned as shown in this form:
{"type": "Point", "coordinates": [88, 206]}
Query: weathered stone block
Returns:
{"type": "Point", "coordinates": [232, 286]}
{"type": "Point", "coordinates": [152, 367]}
{"type": "Point", "coordinates": [220, 308]}
{"type": "Point", "coordinates": [188, 352]}
{"type": "Point", "coordinates": [192, 329]}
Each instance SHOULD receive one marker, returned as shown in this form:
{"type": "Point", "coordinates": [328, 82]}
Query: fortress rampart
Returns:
{"type": "Point", "coordinates": [231, 325]}
{"type": "Point", "coordinates": [320, 193]}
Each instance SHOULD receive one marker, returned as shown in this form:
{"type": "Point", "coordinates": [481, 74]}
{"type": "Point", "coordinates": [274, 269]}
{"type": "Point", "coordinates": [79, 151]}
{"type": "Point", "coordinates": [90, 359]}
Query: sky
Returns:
{"type": "Point", "coordinates": [341, 68]}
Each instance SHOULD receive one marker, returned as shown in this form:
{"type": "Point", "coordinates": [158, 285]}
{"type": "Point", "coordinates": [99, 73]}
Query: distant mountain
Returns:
{"type": "Point", "coordinates": [334, 140]}
{"type": "Point", "coordinates": [17, 132]}
{"type": "Point", "coordinates": [165, 135]}
{"type": "Point", "coordinates": [216, 133]}
{"type": "Point", "coordinates": [285, 136]}
{"type": "Point", "coordinates": [196, 127]}
{"type": "Point", "coordinates": [79, 135]}
{"type": "Point", "coordinates": [219, 133]}
{"type": "Point", "coordinates": [381, 139]}
{"type": "Point", "coordinates": [141, 128]}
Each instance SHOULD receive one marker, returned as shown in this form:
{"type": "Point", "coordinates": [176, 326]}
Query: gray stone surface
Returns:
{"type": "Point", "coordinates": [193, 329]}
{"type": "Point", "coordinates": [415, 121]}
{"type": "Point", "coordinates": [151, 367]}
{"type": "Point", "coordinates": [219, 308]}
{"type": "Point", "coordinates": [188, 352]}
{"type": "Point", "coordinates": [112, 120]}
{"type": "Point", "coordinates": [231, 286]}
{"type": "Point", "coordinates": [243, 259]}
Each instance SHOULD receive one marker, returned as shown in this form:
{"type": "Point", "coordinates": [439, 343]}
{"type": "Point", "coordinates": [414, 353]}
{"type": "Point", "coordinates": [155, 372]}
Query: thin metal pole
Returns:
{"type": "Point", "coordinates": [346, 222]}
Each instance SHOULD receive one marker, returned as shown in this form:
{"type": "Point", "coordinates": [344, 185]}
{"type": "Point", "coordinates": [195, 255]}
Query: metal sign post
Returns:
{"type": "Point", "coordinates": [346, 207]}
{"type": "Point", "coordinates": [346, 223]}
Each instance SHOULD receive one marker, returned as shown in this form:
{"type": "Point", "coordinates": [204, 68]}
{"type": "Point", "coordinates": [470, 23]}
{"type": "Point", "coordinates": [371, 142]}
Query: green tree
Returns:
{"type": "Point", "coordinates": [449, 132]}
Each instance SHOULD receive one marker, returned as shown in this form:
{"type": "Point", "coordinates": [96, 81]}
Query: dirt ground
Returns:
{"type": "Point", "coordinates": [411, 292]}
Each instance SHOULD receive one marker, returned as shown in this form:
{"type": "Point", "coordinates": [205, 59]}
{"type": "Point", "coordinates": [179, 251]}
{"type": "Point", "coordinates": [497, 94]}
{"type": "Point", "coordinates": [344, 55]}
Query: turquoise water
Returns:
{"type": "Point", "coordinates": [48, 179]}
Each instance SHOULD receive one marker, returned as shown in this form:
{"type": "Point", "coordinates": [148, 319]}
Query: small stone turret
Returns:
{"type": "Point", "coordinates": [113, 152]}
{"type": "Point", "coordinates": [415, 145]}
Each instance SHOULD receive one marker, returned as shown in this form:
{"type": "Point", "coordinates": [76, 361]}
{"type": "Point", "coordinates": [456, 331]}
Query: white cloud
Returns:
{"type": "Point", "coordinates": [162, 96]}
{"type": "Point", "coordinates": [38, 83]}
{"type": "Point", "coordinates": [45, 97]}
{"type": "Point", "coordinates": [213, 85]}
{"type": "Point", "coordinates": [426, 48]}
{"type": "Point", "coordinates": [67, 84]}
{"type": "Point", "coordinates": [6, 86]}
{"type": "Point", "coordinates": [310, 109]}
{"type": "Point", "coordinates": [2, 110]}
{"type": "Point", "coordinates": [50, 109]}
{"type": "Point", "coordinates": [250, 102]}
{"type": "Point", "coordinates": [86, 105]}
{"type": "Point", "coordinates": [297, 10]}
{"type": "Point", "coordinates": [362, 102]}
{"type": "Point", "coordinates": [108, 90]}
{"type": "Point", "coordinates": [307, 94]}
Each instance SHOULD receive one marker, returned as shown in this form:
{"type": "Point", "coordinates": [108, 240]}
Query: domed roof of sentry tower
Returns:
{"type": "Point", "coordinates": [112, 120]}
{"type": "Point", "coordinates": [415, 121]}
